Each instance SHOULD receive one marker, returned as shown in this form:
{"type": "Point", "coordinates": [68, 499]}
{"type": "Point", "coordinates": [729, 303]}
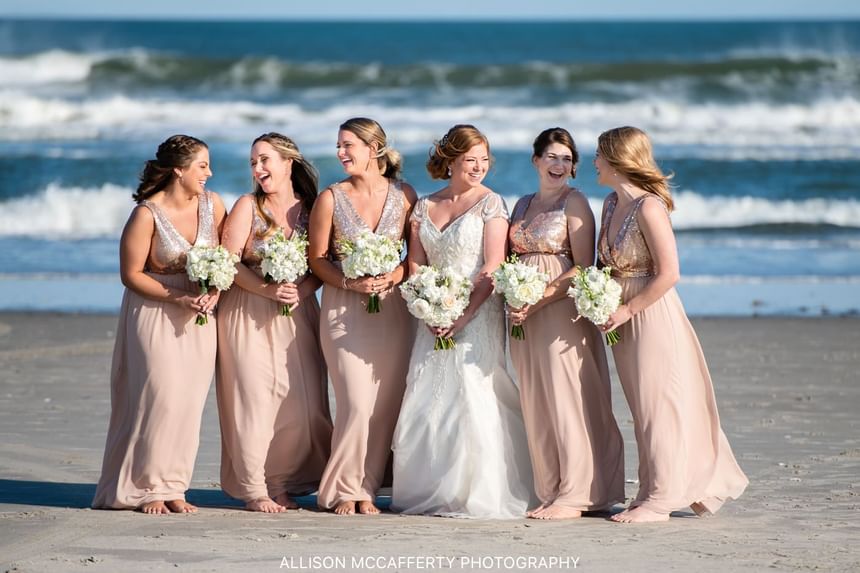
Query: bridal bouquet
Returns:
{"type": "Point", "coordinates": [370, 254]}
{"type": "Point", "coordinates": [284, 260]}
{"type": "Point", "coordinates": [210, 267]}
{"type": "Point", "coordinates": [597, 296]}
{"type": "Point", "coordinates": [521, 285]}
{"type": "Point", "coordinates": [438, 297]}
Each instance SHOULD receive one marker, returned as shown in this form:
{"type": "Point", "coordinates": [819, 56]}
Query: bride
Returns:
{"type": "Point", "coordinates": [460, 446]}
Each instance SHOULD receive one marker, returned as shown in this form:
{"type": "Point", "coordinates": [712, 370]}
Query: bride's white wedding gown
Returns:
{"type": "Point", "coordinates": [460, 446]}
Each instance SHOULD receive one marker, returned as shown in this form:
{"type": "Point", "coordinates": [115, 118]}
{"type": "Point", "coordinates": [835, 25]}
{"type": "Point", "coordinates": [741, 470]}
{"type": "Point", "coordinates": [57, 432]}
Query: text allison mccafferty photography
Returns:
{"type": "Point", "coordinates": [429, 562]}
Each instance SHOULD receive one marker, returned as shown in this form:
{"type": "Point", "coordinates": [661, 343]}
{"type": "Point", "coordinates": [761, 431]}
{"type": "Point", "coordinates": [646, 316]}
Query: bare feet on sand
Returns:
{"type": "Point", "coordinates": [345, 508]}
{"type": "Point", "coordinates": [557, 512]}
{"type": "Point", "coordinates": [367, 508]}
{"type": "Point", "coordinates": [153, 507]}
{"type": "Point", "coordinates": [286, 501]}
{"type": "Point", "coordinates": [533, 513]}
{"type": "Point", "coordinates": [180, 506]}
{"type": "Point", "coordinates": [639, 515]}
{"type": "Point", "coordinates": [265, 505]}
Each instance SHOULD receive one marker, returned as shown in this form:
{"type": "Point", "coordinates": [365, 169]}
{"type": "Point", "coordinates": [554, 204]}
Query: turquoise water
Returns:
{"type": "Point", "coordinates": [759, 121]}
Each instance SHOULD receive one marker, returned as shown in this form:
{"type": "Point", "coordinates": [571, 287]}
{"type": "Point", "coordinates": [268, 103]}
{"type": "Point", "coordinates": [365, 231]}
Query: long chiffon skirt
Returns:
{"type": "Point", "coordinates": [684, 456]}
{"type": "Point", "coordinates": [368, 358]}
{"type": "Point", "coordinates": [272, 397]}
{"type": "Point", "coordinates": [577, 451]}
{"type": "Point", "coordinates": [163, 364]}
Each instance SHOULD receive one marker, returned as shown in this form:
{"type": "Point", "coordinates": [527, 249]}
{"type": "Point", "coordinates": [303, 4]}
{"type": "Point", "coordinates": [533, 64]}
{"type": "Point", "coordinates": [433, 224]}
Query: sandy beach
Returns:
{"type": "Point", "coordinates": [787, 390]}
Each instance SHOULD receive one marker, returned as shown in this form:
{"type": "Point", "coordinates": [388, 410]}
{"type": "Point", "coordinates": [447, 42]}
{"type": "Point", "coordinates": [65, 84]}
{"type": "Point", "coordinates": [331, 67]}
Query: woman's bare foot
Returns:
{"type": "Point", "coordinates": [536, 511]}
{"type": "Point", "coordinates": [345, 508]}
{"type": "Point", "coordinates": [639, 515]}
{"type": "Point", "coordinates": [180, 506]}
{"type": "Point", "coordinates": [367, 508]}
{"type": "Point", "coordinates": [153, 507]}
{"type": "Point", "coordinates": [286, 501]}
{"type": "Point", "coordinates": [265, 505]}
{"type": "Point", "coordinates": [558, 512]}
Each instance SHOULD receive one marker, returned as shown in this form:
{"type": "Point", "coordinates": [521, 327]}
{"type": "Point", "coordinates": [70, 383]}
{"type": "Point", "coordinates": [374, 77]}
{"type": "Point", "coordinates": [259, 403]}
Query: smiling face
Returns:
{"type": "Point", "coordinates": [554, 166]}
{"type": "Point", "coordinates": [194, 177]}
{"type": "Point", "coordinates": [353, 153]}
{"type": "Point", "coordinates": [469, 169]}
{"type": "Point", "coordinates": [271, 171]}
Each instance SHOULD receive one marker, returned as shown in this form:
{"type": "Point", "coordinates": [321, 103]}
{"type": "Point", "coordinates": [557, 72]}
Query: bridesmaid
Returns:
{"type": "Point", "coordinates": [163, 362]}
{"type": "Point", "coordinates": [367, 354]}
{"type": "Point", "coordinates": [271, 379]}
{"type": "Point", "coordinates": [576, 448]}
{"type": "Point", "coordinates": [684, 458]}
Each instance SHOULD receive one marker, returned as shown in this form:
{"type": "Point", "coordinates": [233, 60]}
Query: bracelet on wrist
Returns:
{"type": "Point", "coordinates": [344, 284]}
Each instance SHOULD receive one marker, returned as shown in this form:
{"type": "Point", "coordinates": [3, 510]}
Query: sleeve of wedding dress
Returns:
{"type": "Point", "coordinates": [418, 211]}
{"type": "Point", "coordinates": [494, 207]}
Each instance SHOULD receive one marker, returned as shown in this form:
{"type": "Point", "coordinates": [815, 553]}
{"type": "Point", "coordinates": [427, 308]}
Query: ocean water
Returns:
{"type": "Point", "coordinates": [760, 123]}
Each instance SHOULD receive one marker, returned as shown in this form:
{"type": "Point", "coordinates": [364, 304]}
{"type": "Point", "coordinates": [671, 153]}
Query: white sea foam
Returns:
{"type": "Point", "coordinates": [49, 67]}
{"type": "Point", "coordinates": [827, 128]}
{"type": "Point", "coordinates": [70, 212]}
{"type": "Point", "coordinates": [76, 212]}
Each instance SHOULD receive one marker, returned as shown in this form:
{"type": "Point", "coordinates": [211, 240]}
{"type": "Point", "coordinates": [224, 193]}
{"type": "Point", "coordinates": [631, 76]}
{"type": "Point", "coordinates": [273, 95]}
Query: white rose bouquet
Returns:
{"type": "Point", "coordinates": [210, 267]}
{"type": "Point", "coordinates": [370, 254]}
{"type": "Point", "coordinates": [438, 297]}
{"type": "Point", "coordinates": [284, 260]}
{"type": "Point", "coordinates": [521, 285]}
{"type": "Point", "coordinates": [597, 296]}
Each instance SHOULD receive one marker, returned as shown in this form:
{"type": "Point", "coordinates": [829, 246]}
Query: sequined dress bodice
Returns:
{"type": "Point", "coordinates": [628, 254]}
{"type": "Point", "coordinates": [250, 253]}
{"type": "Point", "coordinates": [167, 254]}
{"type": "Point", "coordinates": [347, 224]}
{"type": "Point", "coordinates": [546, 233]}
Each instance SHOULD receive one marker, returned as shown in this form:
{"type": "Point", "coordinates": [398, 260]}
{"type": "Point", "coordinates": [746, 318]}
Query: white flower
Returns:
{"type": "Point", "coordinates": [436, 296]}
{"type": "Point", "coordinates": [521, 284]}
{"type": "Point", "coordinates": [369, 254]}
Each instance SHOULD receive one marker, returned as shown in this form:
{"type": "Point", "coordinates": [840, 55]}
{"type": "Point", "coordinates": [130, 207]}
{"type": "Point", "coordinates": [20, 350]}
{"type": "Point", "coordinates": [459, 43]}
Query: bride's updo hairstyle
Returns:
{"type": "Point", "coordinates": [175, 152]}
{"type": "Point", "coordinates": [371, 133]}
{"type": "Point", "coordinates": [628, 150]}
{"type": "Point", "coordinates": [459, 139]}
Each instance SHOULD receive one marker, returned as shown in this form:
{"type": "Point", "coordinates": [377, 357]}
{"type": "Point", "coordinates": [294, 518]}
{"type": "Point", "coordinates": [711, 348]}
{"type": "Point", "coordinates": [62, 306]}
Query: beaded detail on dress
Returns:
{"type": "Point", "coordinates": [545, 233]}
{"type": "Point", "coordinates": [167, 254]}
{"type": "Point", "coordinates": [628, 254]}
{"type": "Point", "coordinates": [250, 256]}
{"type": "Point", "coordinates": [347, 224]}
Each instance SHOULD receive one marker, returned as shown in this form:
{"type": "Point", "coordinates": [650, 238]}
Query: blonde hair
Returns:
{"type": "Point", "coordinates": [459, 139]}
{"type": "Point", "coordinates": [628, 150]}
{"type": "Point", "coordinates": [371, 133]}
{"type": "Point", "coordinates": [177, 151]}
{"type": "Point", "coordinates": [303, 176]}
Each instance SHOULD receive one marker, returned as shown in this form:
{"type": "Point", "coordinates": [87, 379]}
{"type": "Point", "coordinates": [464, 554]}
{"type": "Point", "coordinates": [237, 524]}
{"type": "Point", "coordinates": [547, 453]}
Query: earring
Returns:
{"type": "Point", "coordinates": [449, 171]}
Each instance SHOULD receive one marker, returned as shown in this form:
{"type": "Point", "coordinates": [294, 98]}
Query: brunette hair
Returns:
{"type": "Point", "coordinates": [556, 135]}
{"type": "Point", "coordinates": [177, 151]}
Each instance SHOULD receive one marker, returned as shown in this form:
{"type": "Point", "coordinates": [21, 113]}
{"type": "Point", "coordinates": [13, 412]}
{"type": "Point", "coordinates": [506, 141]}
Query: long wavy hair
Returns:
{"type": "Point", "coordinates": [303, 176]}
{"type": "Point", "coordinates": [371, 133]}
{"type": "Point", "coordinates": [175, 152]}
{"type": "Point", "coordinates": [628, 150]}
{"type": "Point", "coordinates": [459, 139]}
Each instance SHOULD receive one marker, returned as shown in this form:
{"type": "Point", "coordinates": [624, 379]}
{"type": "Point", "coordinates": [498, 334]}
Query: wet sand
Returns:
{"type": "Point", "coordinates": [788, 392]}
